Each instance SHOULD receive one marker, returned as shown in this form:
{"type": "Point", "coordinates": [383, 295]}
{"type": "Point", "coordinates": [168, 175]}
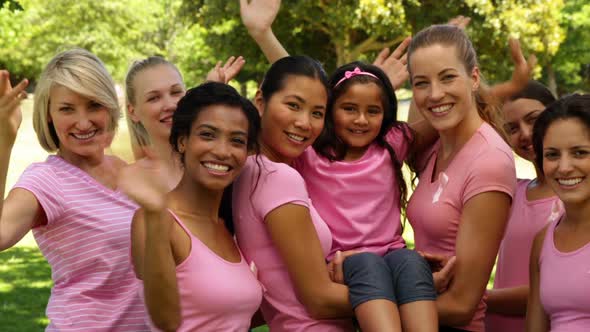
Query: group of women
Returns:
{"type": "Point", "coordinates": [290, 205]}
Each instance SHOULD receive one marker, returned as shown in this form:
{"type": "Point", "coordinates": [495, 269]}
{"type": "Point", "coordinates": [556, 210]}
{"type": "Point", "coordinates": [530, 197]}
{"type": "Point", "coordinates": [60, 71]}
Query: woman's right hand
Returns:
{"type": "Point", "coordinates": [258, 15]}
{"type": "Point", "coordinates": [10, 100]}
{"type": "Point", "coordinates": [143, 181]}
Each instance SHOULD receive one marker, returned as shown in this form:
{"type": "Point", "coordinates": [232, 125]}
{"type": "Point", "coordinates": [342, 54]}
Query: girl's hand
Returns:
{"type": "Point", "coordinates": [143, 181]}
{"type": "Point", "coordinates": [226, 73]}
{"type": "Point", "coordinates": [258, 15]}
{"type": "Point", "coordinates": [395, 64]}
{"type": "Point", "coordinates": [10, 100]}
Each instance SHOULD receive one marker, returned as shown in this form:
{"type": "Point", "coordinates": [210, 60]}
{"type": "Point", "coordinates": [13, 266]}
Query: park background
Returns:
{"type": "Point", "coordinates": [196, 34]}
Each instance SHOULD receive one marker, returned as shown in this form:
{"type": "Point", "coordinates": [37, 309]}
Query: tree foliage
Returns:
{"type": "Point", "coordinates": [340, 31]}
{"type": "Point", "coordinates": [194, 34]}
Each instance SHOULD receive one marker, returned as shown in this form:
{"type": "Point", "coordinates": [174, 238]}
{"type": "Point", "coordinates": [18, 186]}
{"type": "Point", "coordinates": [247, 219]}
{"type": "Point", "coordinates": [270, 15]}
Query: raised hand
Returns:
{"type": "Point", "coordinates": [258, 15]}
{"type": "Point", "coordinates": [523, 68]}
{"type": "Point", "coordinates": [521, 74]}
{"type": "Point", "coordinates": [460, 21]}
{"type": "Point", "coordinates": [143, 181]}
{"type": "Point", "coordinates": [10, 100]}
{"type": "Point", "coordinates": [395, 64]}
{"type": "Point", "coordinates": [226, 73]}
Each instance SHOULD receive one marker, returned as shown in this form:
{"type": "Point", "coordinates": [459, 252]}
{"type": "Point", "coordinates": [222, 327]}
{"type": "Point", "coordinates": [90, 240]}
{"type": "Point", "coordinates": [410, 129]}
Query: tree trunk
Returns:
{"type": "Point", "coordinates": [244, 89]}
{"type": "Point", "coordinates": [552, 82]}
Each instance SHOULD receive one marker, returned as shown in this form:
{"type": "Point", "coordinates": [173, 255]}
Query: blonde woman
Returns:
{"type": "Point", "coordinates": [79, 218]}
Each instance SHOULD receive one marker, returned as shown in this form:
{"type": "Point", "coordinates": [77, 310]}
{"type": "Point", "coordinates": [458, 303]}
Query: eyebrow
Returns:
{"type": "Point", "coordinates": [300, 99]}
{"type": "Point", "coordinates": [531, 113]}
{"type": "Point", "coordinates": [439, 73]}
{"type": "Point", "coordinates": [177, 85]}
{"type": "Point", "coordinates": [235, 132]}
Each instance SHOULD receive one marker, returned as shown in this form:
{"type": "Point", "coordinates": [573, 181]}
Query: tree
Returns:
{"type": "Point", "coordinates": [572, 61]}
{"type": "Point", "coordinates": [340, 31]}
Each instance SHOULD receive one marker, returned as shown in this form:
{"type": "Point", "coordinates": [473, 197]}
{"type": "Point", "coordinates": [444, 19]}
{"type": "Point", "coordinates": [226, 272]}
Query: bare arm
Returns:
{"type": "Point", "coordinates": [155, 265]}
{"type": "Point", "coordinates": [258, 16]}
{"type": "Point", "coordinates": [151, 240]}
{"type": "Point", "coordinates": [508, 301]}
{"type": "Point", "coordinates": [536, 318]}
{"type": "Point", "coordinates": [20, 210]}
{"type": "Point", "coordinates": [295, 237]}
{"type": "Point", "coordinates": [481, 229]}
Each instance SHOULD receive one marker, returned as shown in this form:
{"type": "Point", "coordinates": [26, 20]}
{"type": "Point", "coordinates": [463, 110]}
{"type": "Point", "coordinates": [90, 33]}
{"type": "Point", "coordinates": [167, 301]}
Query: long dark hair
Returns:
{"type": "Point", "coordinates": [576, 106]}
{"type": "Point", "coordinates": [330, 146]}
{"type": "Point", "coordinates": [189, 107]}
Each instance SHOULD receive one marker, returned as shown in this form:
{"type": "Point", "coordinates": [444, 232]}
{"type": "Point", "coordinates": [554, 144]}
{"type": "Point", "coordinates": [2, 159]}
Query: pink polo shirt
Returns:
{"type": "Point", "coordinates": [86, 242]}
{"type": "Point", "coordinates": [262, 187]}
{"type": "Point", "coordinates": [359, 200]}
{"type": "Point", "coordinates": [527, 218]}
{"type": "Point", "coordinates": [485, 163]}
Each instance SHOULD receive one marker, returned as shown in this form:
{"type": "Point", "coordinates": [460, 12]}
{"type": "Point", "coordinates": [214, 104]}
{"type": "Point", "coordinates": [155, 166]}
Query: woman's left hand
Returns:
{"type": "Point", "coordinates": [230, 69]}
{"type": "Point", "coordinates": [395, 64]}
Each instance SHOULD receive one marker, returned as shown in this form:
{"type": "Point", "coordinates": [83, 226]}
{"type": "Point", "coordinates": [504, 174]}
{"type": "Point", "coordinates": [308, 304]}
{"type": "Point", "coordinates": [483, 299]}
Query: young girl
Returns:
{"type": "Point", "coordinates": [534, 201]}
{"type": "Point", "coordinates": [558, 298]}
{"type": "Point", "coordinates": [79, 218]}
{"type": "Point", "coordinates": [277, 226]}
{"type": "Point", "coordinates": [466, 183]}
{"type": "Point", "coordinates": [190, 266]}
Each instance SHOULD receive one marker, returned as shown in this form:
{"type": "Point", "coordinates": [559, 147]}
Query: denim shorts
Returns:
{"type": "Point", "coordinates": [401, 276]}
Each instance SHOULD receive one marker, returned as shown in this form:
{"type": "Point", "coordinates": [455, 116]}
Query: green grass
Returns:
{"type": "Point", "coordinates": [25, 284]}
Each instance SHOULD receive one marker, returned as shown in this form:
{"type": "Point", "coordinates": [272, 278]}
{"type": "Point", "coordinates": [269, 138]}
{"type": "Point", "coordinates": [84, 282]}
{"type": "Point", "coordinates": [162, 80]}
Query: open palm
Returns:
{"type": "Point", "coordinates": [10, 100]}
{"type": "Point", "coordinates": [144, 182]}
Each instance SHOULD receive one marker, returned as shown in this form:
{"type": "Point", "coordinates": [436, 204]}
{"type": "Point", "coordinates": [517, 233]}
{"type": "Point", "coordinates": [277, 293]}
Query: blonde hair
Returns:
{"type": "Point", "coordinates": [449, 35]}
{"type": "Point", "coordinates": [137, 132]}
{"type": "Point", "coordinates": [83, 73]}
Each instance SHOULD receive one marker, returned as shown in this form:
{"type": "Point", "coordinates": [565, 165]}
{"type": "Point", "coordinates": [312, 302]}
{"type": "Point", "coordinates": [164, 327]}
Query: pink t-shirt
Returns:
{"type": "Point", "coordinates": [359, 200]}
{"type": "Point", "coordinates": [262, 187]}
{"type": "Point", "coordinates": [215, 295]}
{"type": "Point", "coordinates": [565, 285]}
{"type": "Point", "coordinates": [485, 163]}
{"type": "Point", "coordinates": [527, 218]}
{"type": "Point", "coordinates": [86, 241]}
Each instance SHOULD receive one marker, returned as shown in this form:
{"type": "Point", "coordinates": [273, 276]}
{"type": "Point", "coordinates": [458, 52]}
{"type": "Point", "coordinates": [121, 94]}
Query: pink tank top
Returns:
{"type": "Point", "coordinates": [215, 295]}
{"type": "Point", "coordinates": [527, 218]}
{"type": "Point", "coordinates": [565, 285]}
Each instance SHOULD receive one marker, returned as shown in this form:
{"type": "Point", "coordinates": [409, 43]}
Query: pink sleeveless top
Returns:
{"type": "Point", "coordinates": [215, 295]}
{"type": "Point", "coordinates": [527, 218]}
{"type": "Point", "coordinates": [565, 285]}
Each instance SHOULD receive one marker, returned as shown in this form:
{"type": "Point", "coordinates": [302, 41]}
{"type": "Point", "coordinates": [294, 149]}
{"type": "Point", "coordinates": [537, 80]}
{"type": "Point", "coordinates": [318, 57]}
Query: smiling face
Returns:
{"type": "Point", "coordinates": [216, 149]}
{"type": "Point", "coordinates": [81, 124]}
{"type": "Point", "coordinates": [158, 90]}
{"type": "Point", "coordinates": [358, 116]}
{"type": "Point", "coordinates": [520, 116]}
{"type": "Point", "coordinates": [293, 117]}
{"type": "Point", "coordinates": [566, 160]}
{"type": "Point", "coordinates": [443, 89]}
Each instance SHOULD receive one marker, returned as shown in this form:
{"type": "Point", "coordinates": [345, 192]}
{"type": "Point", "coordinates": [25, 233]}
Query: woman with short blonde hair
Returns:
{"type": "Point", "coordinates": [79, 218]}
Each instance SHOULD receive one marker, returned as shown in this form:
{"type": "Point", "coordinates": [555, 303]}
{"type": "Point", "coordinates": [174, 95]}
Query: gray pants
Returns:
{"type": "Point", "coordinates": [401, 276]}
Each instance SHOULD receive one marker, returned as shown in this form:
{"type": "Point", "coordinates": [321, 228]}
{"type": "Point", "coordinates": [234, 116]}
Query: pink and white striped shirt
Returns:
{"type": "Point", "coordinates": [87, 243]}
